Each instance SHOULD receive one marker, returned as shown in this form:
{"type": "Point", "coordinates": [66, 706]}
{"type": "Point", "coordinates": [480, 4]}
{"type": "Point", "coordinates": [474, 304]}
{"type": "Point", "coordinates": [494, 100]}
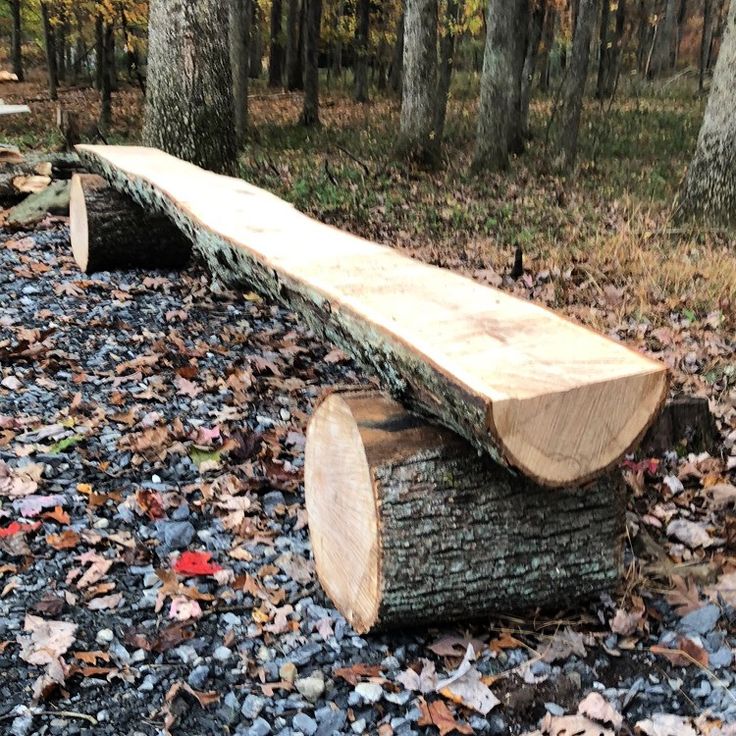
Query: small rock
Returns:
{"type": "Point", "coordinates": [554, 709]}
{"type": "Point", "coordinates": [721, 658]}
{"type": "Point", "coordinates": [701, 621]}
{"type": "Point", "coordinates": [311, 687]}
{"type": "Point", "coordinates": [104, 636]}
{"type": "Point", "coordinates": [175, 534]}
{"type": "Point", "coordinates": [222, 653]}
{"type": "Point", "coordinates": [252, 706]}
{"type": "Point", "coordinates": [304, 723]}
{"type": "Point", "coordinates": [370, 692]}
{"type": "Point", "coordinates": [198, 677]}
{"type": "Point", "coordinates": [358, 726]}
{"type": "Point", "coordinates": [288, 672]}
{"type": "Point", "coordinates": [260, 727]}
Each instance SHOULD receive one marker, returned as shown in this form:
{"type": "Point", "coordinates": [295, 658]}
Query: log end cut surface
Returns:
{"type": "Point", "coordinates": [78, 221]}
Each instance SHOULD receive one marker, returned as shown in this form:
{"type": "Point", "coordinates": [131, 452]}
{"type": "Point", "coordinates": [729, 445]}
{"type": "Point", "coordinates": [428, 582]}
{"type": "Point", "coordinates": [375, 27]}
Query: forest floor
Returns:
{"type": "Point", "coordinates": [151, 446]}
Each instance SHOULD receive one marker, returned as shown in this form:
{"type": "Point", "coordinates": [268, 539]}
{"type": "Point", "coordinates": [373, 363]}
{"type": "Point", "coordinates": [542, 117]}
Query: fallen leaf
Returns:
{"type": "Point", "coordinates": [466, 687]}
{"type": "Point", "coordinates": [196, 563]}
{"type": "Point", "coordinates": [724, 588]}
{"type": "Point", "coordinates": [665, 724]}
{"type": "Point", "coordinates": [439, 715]}
{"type": "Point", "coordinates": [597, 708]}
{"type": "Point", "coordinates": [355, 672]}
{"type": "Point", "coordinates": [562, 645]}
{"type": "Point", "coordinates": [690, 533]}
{"type": "Point", "coordinates": [68, 539]}
{"type": "Point", "coordinates": [48, 640]}
{"type": "Point", "coordinates": [572, 726]}
{"type": "Point", "coordinates": [184, 609]}
{"type": "Point", "coordinates": [424, 681]}
{"type": "Point", "coordinates": [105, 602]}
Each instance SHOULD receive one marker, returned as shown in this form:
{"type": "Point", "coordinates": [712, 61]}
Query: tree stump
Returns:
{"type": "Point", "coordinates": [109, 231]}
{"type": "Point", "coordinates": [410, 525]}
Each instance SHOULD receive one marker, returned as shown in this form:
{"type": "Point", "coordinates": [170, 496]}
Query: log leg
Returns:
{"type": "Point", "coordinates": [109, 231]}
{"type": "Point", "coordinates": [409, 525]}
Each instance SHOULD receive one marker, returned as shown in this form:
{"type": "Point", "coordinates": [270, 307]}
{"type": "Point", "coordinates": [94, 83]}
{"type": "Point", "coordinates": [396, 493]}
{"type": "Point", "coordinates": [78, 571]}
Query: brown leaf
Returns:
{"type": "Point", "coordinates": [687, 653]}
{"type": "Point", "coordinates": [355, 672]}
{"type": "Point", "coordinates": [48, 640]}
{"type": "Point", "coordinates": [439, 715]}
{"type": "Point", "coordinates": [68, 539]}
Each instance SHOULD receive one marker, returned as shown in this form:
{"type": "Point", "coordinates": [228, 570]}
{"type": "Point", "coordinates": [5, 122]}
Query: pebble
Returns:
{"type": "Point", "coordinates": [175, 534]}
{"type": "Point", "coordinates": [370, 692]}
{"type": "Point", "coordinates": [311, 687]}
{"type": "Point", "coordinates": [288, 671]}
{"type": "Point", "coordinates": [304, 723]}
{"type": "Point", "coordinates": [104, 636]}
{"type": "Point", "coordinates": [198, 677]}
{"type": "Point", "coordinates": [358, 726]}
{"type": "Point", "coordinates": [222, 653]}
{"type": "Point", "coordinates": [721, 658]}
{"type": "Point", "coordinates": [260, 727]}
{"type": "Point", "coordinates": [252, 706]}
{"type": "Point", "coordinates": [701, 621]}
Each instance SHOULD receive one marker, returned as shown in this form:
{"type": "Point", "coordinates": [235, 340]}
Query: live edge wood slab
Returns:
{"type": "Point", "coordinates": [409, 525]}
{"type": "Point", "coordinates": [537, 392]}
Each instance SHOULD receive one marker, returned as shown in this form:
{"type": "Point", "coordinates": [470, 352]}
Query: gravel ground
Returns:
{"type": "Point", "coordinates": [144, 418]}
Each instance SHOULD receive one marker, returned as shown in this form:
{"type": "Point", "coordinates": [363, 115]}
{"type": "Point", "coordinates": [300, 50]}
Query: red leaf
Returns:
{"type": "Point", "coordinates": [15, 528]}
{"type": "Point", "coordinates": [196, 563]}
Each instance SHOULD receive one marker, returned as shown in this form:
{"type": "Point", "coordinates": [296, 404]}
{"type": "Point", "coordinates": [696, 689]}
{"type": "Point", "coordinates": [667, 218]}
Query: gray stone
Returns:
{"type": "Point", "coordinates": [330, 719]}
{"type": "Point", "coordinates": [175, 534]}
{"type": "Point", "coordinates": [554, 709]}
{"type": "Point", "coordinates": [104, 636]}
{"type": "Point", "coordinates": [260, 727]}
{"type": "Point", "coordinates": [311, 687]}
{"type": "Point", "coordinates": [370, 692]}
{"type": "Point", "coordinates": [701, 621]}
{"type": "Point", "coordinates": [252, 706]}
{"type": "Point", "coordinates": [198, 677]}
{"type": "Point", "coordinates": [304, 723]}
{"type": "Point", "coordinates": [720, 659]}
{"type": "Point", "coordinates": [358, 726]}
{"type": "Point", "coordinates": [305, 654]}
{"type": "Point", "coordinates": [222, 653]}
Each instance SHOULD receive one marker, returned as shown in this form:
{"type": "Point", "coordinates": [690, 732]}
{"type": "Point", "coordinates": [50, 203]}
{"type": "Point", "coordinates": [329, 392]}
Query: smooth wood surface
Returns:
{"type": "Point", "coordinates": [14, 109]}
{"type": "Point", "coordinates": [538, 392]}
{"type": "Point", "coordinates": [409, 525]}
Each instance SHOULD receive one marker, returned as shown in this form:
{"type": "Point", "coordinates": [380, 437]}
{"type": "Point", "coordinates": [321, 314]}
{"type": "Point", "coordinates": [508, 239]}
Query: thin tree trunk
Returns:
{"type": "Point", "coordinates": [663, 55]}
{"type": "Point", "coordinates": [417, 141]}
{"type": "Point", "coordinates": [705, 41]}
{"type": "Point", "coordinates": [189, 107]}
{"type": "Point", "coordinates": [106, 91]}
{"type": "Point", "coordinates": [643, 36]}
{"type": "Point", "coordinates": [239, 27]}
{"type": "Point", "coordinates": [362, 25]}
{"type": "Point", "coordinates": [497, 87]}
{"type": "Point", "coordinates": [49, 36]}
{"type": "Point", "coordinates": [519, 40]}
{"type": "Point", "coordinates": [337, 54]}
{"type": "Point", "coordinates": [447, 51]}
{"type": "Point", "coordinates": [255, 66]}
{"type": "Point", "coordinates": [548, 39]}
{"type": "Point", "coordinates": [709, 190]}
{"type": "Point", "coordinates": [310, 112]}
{"type": "Point", "coordinates": [293, 68]}
{"type": "Point", "coordinates": [79, 49]}
{"type": "Point", "coordinates": [604, 57]}
{"type": "Point", "coordinates": [573, 88]}
{"type": "Point", "coordinates": [99, 52]}
{"type": "Point", "coordinates": [614, 63]}
{"type": "Point", "coordinates": [536, 25]}
{"type": "Point", "coordinates": [276, 52]}
{"type": "Point", "coordinates": [62, 30]}
{"type": "Point", "coordinates": [395, 75]}
{"type": "Point", "coordinates": [17, 40]}
{"type": "Point", "coordinates": [681, 16]}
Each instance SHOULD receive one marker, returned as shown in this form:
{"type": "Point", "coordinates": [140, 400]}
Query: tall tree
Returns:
{"type": "Point", "coordinates": [565, 143]}
{"type": "Point", "coordinates": [108, 66]}
{"type": "Point", "coordinates": [519, 39]}
{"type": "Point", "coordinates": [548, 39]}
{"type": "Point", "coordinates": [709, 190]}
{"type": "Point", "coordinates": [536, 26]}
{"type": "Point", "coordinates": [360, 66]}
{"type": "Point", "coordinates": [604, 55]}
{"type": "Point", "coordinates": [447, 52]}
{"type": "Point", "coordinates": [189, 97]}
{"type": "Point", "coordinates": [99, 51]}
{"type": "Point", "coordinates": [50, 41]}
{"type": "Point", "coordinates": [617, 48]}
{"type": "Point", "coordinates": [663, 54]}
{"type": "Point", "coordinates": [705, 41]}
{"type": "Point", "coordinates": [397, 58]}
{"type": "Point", "coordinates": [313, 19]}
{"type": "Point", "coordinates": [239, 57]}
{"type": "Point", "coordinates": [417, 140]}
{"type": "Point", "coordinates": [17, 40]}
{"type": "Point", "coordinates": [293, 57]}
{"type": "Point", "coordinates": [256, 41]}
{"type": "Point", "coordinates": [499, 82]}
{"type": "Point", "coordinates": [276, 48]}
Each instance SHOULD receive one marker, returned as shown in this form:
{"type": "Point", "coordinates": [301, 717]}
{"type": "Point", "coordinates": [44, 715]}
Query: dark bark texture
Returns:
{"type": "Point", "coordinates": [604, 56]}
{"type": "Point", "coordinates": [50, 39]}
{"type": "Point", "coordinates": [239, 59]}
{"type": "Point", "coordinates": [536, 27]}
{"type": "Point", "coordinates": [310, 112]}
{"type": "Point", "coordinates": [709, 190]}
{"type": "Point", "coordinates": [108, 62]}
{"type": "Point", "coordinates": [189, 96]}
{"type": "Point", "coordinates": [276, 48]}
{"type": "Point", "coordinates": [294, 67]}
{"type": "Point", "coordinates": [362, 27]}
{"type": "Point", "coordinates": [397, 60]}
{"type": "Point", "coordinates": [447, 52]}
{"type": "Point", "coordinates": [16, 42]}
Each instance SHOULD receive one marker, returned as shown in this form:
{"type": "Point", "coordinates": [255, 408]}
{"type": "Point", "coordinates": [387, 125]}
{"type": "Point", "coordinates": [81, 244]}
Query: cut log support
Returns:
{"type": "Point", "coordinates": [409, 525]}
{"type": "Point", "coordinates": [108, 231]}
{"type": "Point", "coordinates": [536, 391]}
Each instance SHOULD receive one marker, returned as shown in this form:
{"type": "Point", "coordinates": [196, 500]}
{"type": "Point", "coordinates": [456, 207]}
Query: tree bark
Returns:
{"type": "Point", "coordinates": [50, 38]}
{"type": "Point", "coordinates": [360, 65]}
{"type": "Point", "coordinates": [536, 26]}
{"type": "Point", "coordinates": [604, 56]}
{"type": "Point", "coordinates": [417, 141]}
{"type": "Point", "coordinates": [189, 98]}
{"type": "Point", "coordinates": [276, 48]}
{"type": "Point", "coordinates": [705, 41]}
{"type": "Point", "coordinates": [108, 62]}
{"type": "Point", "coordinates": [239, 53]}
{"type": "Point", "coordinates": [108, 231]}
{"type": "Point", "coordinates": [410, 526]}
{"type": "Point", "coordinates": [310, 112]}
{"type": "Point", "coordinates": [62, 30]}
{"type": "Point", "coordinates": [256, 42]}
{"type": "Point", "coordinates": [708, 193]}
{"type": "Point", "coordinates": [293, 62]}
{"type": "Point", "coordinates": [519, 41]}
{"type": "Point", "coordinates": [499, 99]}
{"type": "Point", "coordinates": [447, 52]}
{"type": "Point", "coordinates": [17, 39]}
{"type": "Point", "coordinates": [99, 52]}
{"type": "Point", "coordinates": [548, 39]}
{"type": "Point", "coordinates": [565, 144]}
{"type": "Point", "coordinates": [337, 52]}
{"type": "Point", "coordinates": [397, 61]}
{"type": "Point", "coordinates": [663, 56]}
{"type": "Point", "coordinates": [62, 166]}
{"type": "Point", "coordinates": [617, 48]}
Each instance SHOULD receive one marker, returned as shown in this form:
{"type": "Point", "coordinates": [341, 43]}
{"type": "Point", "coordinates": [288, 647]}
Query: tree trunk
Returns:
{"type": "Point", "coordinates": [705, 41]}
{"type": "Point", "coordinates": [681, 17]}
{"type": "Point", "coordinates": [293, 66]}
{"type": "Point", "coordinates": [50, 39]}
{"type": "Point", "coordinates": [256, 42]}
{"type": "Point", "coordinates": [239, 42]}
{"type": "Point", "coordinates": [99, 52]}
{"type": "Point", "coordinates": [397, 61]}
{"type": "Point", "coordinates": [536, 25]}
{"type": "Point", "coordinates": [310, 112]}
{"type": "Point", "coordinates": [498, 83]}
{"type": "Point", "coordinates": [62, 30]}
{"type": "Point", "coordinates": [189, 106]}
{"type": "Point", "coordinates": [107, 67]}
{"type": "Point", "coordinates": [276, 48]}
{"type": "Point", "coordinates": [708, 193]}
{"type": "Point", "coordinates": [604, 56]}
{"type": "Point", "coordinates": [617, 48]}
{"type": "Point", "coordinates": [447, 51]}
{"type": "Point", "coordinates": [565, 145]}
{"type": "Point", "coordinates": [337, 52]}
{"type": "Point", "coordinates": [109, 231]}
{"type": "Point", "coordinates": [17, 40]}
{"type": "Point", "coordinates": [79, 48]}
{"type": "Point", "coordinates": [663, 56]}
{"type": "Point", "coordinates": [519, 41]}
{"type": "Point", "coordinates": [417, 141]}
{"type": "Point", "coordinates": [410, 526]}
{"type": "Point", "coordinates": [548, 39]}
{"type": "Point", "coordinates": [360, 65]}
{"type": "Point", "coordinates": [643, 37]}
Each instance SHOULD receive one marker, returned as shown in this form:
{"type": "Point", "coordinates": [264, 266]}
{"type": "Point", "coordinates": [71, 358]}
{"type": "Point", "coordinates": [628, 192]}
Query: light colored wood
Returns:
{"type": "Point", "coordinates": [409, 525]}
{"type": "Point", "coordinates": [31, 184]}
{"type": "Point", "coordinates": [10, 155]}
{"type": "Point", "coordinates": [547, 396]}
{"type": "Point", "coordinates": [14, 109]}
{"type": "Point", "coordinates": [6, 76]}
